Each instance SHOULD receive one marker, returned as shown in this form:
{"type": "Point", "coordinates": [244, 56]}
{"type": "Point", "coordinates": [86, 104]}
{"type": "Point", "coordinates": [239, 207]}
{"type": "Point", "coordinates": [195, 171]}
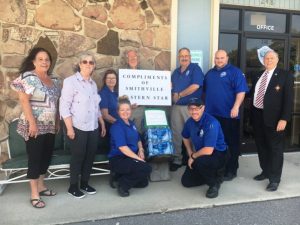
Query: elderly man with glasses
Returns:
{"type": "Point", "coordinates": [206, 148]}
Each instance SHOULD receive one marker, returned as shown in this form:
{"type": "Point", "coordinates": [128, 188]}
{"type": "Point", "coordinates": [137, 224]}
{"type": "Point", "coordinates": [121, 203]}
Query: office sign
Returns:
{"type": "Point", "coordinates": [265, 27]}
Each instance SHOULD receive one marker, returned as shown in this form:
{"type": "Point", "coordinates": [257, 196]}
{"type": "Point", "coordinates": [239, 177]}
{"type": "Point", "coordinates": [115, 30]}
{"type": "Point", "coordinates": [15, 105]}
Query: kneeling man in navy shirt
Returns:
{"type": "Point", "coordinates": [206, 148]}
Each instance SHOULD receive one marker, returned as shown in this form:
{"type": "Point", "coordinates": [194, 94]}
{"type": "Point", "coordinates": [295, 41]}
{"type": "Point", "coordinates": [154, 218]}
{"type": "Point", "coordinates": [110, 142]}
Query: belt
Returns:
{"type": "Point", "coordinates": [258, 109]}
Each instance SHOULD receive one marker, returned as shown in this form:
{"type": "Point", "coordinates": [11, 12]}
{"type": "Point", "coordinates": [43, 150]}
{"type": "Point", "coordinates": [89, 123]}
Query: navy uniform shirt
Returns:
{"type": "Point", "coordinates": [109, 100]}
{"type": "Point", "coordinates": [180, 81]}
{"type": "Point", "coordinates": [221, 87]}
{"type": "Point", "coordinates": [206, 132]}
{"type": "Point", "coordinates": [122, 134]}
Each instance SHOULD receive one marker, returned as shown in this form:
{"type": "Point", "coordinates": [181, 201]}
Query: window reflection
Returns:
{"type": "Point", "coordinates": [294, 67]}
{"type": "Point", "coordinates": [296, 24]}
{"type": "Point", "coordinates": [229, 19]}
{"type": "Point", "coordinates": [230, 43]}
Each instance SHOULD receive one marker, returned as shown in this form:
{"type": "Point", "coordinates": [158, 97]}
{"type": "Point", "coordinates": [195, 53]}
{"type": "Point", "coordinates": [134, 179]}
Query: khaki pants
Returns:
{"type": "Point", "coordinates": [137, 117]}
{"type": "Point", "coordinates": [179, 114]}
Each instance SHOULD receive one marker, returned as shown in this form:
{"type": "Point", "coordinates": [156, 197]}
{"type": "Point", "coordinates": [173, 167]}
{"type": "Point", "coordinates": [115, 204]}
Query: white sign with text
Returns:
{"type": "Point", "coordinates": [146, 87]}
{"type": "Point", "coordinates": [156, 117]}
{"type": "Point", "coordinates": [197, 57]}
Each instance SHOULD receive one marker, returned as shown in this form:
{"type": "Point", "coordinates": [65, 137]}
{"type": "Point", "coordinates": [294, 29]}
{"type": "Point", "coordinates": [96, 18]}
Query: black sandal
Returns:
{"type": "Point", "coordinates": [47, 192]}
{"type": "Point", "coordinates": [38, 201]}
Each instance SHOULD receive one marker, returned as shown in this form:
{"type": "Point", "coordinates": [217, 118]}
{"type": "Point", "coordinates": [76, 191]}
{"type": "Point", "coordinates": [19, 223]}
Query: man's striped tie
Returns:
{"type": "Point", "coordinates": [259, 101]}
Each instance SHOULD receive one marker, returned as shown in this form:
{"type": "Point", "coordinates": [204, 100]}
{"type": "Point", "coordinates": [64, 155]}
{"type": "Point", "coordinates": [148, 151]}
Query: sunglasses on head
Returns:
{"type": "Point", "coordinates": [88, 62]}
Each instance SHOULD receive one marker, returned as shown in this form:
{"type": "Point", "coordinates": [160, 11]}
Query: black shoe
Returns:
{"type": "Point", "coordinates": [113, 181]}
{"type": "Point", "coordinates": [173, 167]}
{"type": "Point", "coordinates": [260, 177]}
{"type": "Point", "coordinates": [272, 186]}
{"type": "Point", "coordinates": [122, 192]}
{"type": "Point", "coordinates": [213, 191]}
{"type": "Point", "coordinates": [76, 192]}
{"type": "Point", "coordinates": [88, 189]}
{"type": "Point", "coordinates": [142, 184]}
{"type": "Point", "coordinates": [229, 176]}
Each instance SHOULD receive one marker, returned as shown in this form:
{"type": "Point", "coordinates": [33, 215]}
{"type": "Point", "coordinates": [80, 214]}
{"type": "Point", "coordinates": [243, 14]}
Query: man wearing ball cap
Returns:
{"type": "Point", "coordinates": [206, 148]}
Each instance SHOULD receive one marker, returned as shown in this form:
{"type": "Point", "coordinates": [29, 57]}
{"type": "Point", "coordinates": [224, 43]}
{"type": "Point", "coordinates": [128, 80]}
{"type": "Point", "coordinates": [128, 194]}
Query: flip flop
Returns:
{"type": "Point", "coordinates": [38, 201]}
{"type": "Point", "coordinates": [47, 192]}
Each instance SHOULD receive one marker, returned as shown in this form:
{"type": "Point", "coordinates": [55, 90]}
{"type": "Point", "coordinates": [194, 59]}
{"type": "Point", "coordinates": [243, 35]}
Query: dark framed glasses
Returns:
{"type": "Point", "coordinates": [88, 62]}
{"type": "Point", "coordinates": [195, 108]}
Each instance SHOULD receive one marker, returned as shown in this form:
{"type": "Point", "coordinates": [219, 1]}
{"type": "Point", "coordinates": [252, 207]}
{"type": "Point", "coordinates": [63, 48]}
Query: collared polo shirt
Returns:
{"type": "Point", "coordinates": [180, 81]}
{"type": "Point", "coordinates": [221, 87]}
{"type": "Point", "coordinates": [206, 132]}
{"type": "Point", "coordinates": [122, 134]}
{"type": "Point", "coordinates": [109, 100]}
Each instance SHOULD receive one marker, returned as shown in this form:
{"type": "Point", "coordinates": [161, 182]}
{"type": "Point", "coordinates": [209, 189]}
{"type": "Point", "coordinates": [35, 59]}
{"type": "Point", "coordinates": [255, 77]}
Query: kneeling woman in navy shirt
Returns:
{"type": "Point", "coordinates": [126, 155]}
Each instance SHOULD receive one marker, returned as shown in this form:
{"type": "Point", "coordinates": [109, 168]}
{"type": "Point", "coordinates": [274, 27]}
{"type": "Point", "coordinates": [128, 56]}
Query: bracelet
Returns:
{"type": "Point", "coordinates": [192, 156]}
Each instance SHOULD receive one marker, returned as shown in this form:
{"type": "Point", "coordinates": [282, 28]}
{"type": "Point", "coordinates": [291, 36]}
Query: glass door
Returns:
{"type": "Point", "coordinates": [294, 68]}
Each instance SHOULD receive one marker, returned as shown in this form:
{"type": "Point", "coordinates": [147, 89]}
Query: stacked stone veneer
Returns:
{"type": "Point", "coordinates": [68, 27]}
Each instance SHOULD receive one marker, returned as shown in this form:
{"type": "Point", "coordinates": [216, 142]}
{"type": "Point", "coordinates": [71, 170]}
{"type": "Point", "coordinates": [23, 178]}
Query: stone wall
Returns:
{"type": "Point", "coordinates": [68, 27]}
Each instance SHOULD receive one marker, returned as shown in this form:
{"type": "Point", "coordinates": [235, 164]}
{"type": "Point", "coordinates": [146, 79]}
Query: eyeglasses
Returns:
{"type": "Point", "coordinates": [196, 109]}
{"type": "Point", "coordinates": [111, 78]}
{"type": "Point", "coordinates": [88, 62]}
{"type": "Point", "coordinates": [184, 56]}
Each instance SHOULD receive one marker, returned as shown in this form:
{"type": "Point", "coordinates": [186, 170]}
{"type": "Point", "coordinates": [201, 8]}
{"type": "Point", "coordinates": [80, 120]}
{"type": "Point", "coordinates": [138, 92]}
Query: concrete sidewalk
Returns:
{"type": "Point", "coordinates": [159, 197]}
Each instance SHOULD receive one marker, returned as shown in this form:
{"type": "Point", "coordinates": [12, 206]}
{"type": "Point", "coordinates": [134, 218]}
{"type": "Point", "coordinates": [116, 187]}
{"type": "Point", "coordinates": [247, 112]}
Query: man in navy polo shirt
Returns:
{"type": "Point", "coordinates": [187, 82]}
{"type": "Point", "coordinates": [203, 132]}
{"type": "Point", "coordinates": [225, 87]}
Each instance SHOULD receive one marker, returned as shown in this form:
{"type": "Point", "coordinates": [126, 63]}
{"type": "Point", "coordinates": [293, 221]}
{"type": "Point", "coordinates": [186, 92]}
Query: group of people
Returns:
{"type": "Point", "coordinates": [212, 133]}
{"type": "Point", "coordinates": [77, 102]}
{"type": "Point", "coordinates": [207, 124]}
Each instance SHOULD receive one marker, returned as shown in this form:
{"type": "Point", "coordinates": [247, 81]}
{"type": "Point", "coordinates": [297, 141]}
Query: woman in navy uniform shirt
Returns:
{"type": "Point", "coordinates": [109, 97]}
{"type": "Point", "coordinates": [126, 155]}
{"type": "Point", "coordinates": [204, 132]}
{"type": "Point", "coordinates": [108, 105]}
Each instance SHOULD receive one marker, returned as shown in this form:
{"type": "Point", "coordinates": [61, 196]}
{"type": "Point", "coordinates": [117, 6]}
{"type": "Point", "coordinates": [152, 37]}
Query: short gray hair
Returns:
{"type": "Point", "coordinates": [83, 56]}
{"type": "Point", "coordinates": [184, 48]}
{"type": "Point", "coordinates": [131, 50]}
{"type": "Point", "coordinates": [272, 51]}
